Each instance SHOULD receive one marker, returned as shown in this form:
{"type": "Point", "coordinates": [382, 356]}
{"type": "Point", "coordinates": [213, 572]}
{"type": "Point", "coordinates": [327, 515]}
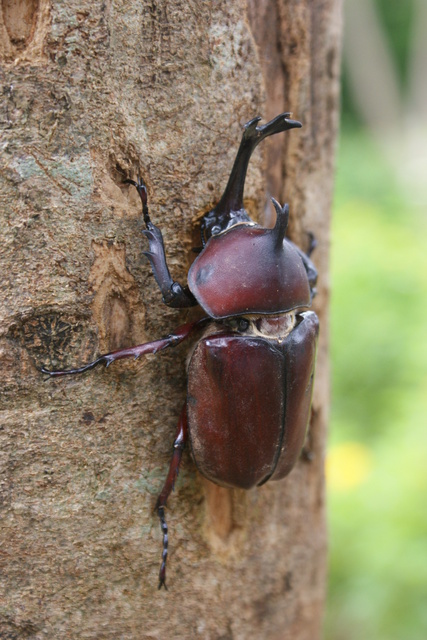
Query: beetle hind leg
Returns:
{"type": "Point", "coordinates": [181, 437]}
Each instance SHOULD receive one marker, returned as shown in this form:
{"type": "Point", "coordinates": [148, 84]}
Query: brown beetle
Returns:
{"type": "Point", "coordinates": [250, 376]}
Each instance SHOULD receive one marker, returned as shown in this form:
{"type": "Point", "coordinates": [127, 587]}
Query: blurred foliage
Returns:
{"type": "Point", "coordinates": [396, 17]}
{"type": "Point", "coordinates": [376, 468]}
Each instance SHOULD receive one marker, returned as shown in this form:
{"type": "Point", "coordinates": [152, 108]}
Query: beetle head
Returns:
{"type": "Point", "coordinates": [214, 223]}
{"type": "Point", "coordinates": [230, 211]}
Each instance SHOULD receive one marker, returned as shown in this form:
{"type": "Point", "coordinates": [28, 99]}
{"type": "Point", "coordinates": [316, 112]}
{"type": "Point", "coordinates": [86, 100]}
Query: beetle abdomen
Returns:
{"type": "Point", "coordinates": [239, 404]}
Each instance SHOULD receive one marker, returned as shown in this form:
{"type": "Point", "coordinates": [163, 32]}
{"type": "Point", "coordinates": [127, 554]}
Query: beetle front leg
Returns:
{"type": "Point", "coordinates": [174, 295]}
{"type": "Point", "coordinates": [180, 441]}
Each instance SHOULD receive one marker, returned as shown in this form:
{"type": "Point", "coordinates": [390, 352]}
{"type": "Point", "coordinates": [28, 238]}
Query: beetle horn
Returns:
{"type": "Point", "coordinates": [279, 230]}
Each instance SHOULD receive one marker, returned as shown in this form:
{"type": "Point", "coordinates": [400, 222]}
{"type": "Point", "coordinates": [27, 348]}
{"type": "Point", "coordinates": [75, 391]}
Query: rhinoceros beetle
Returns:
{"type": "Point", "coordinates": [250, 375]}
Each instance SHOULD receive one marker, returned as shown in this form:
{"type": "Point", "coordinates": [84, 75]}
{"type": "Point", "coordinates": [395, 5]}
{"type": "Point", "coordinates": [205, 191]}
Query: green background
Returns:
{"type": "Point", "coordinates": [377, 457]}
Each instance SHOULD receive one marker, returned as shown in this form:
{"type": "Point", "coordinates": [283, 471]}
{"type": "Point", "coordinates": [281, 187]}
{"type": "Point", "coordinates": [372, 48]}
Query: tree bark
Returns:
{"type": "Point", "coordinates": [93, 94]}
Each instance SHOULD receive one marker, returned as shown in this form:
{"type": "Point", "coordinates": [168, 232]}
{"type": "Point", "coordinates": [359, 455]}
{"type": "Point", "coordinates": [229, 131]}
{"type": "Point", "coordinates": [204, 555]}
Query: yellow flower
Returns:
{"type": "Point", "coordinates": [348, 464]}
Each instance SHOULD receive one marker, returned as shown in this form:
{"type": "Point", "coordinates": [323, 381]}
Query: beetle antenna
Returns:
{"type": "Point", "coordinates": [279, 230]}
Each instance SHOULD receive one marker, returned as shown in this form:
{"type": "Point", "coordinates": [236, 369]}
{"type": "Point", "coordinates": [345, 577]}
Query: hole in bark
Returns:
{"type": "Point", "coordinates": [123, 163]}
{"type": "Point", "coordinates": [117, 321]}
{"type": "Point", "coordinates": [19, 18]}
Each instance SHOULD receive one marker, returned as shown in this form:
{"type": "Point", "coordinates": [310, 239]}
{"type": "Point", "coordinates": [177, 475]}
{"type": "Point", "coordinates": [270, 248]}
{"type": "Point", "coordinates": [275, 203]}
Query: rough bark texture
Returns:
{"type": "Point", "coordinates": [92, 93]}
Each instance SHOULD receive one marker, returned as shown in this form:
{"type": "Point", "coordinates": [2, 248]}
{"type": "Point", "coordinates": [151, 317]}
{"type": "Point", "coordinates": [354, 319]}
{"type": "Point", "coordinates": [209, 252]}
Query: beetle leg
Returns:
{"type": "Point", "coordinates": [171, 340]}
{"type": "Point", "coordinates": [180, 441]}
{"type": "Point", "coordinates": [174, 295]}
{"type": "Point", "coordinates": [308, 265]}
{"type": "Point", "coordinates": [142, 190]}
{"type": "Point", "coordinates": [312, 245]}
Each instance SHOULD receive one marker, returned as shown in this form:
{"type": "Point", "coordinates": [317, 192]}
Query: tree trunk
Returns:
{"type": "Point", "coordinates": [91, 95]}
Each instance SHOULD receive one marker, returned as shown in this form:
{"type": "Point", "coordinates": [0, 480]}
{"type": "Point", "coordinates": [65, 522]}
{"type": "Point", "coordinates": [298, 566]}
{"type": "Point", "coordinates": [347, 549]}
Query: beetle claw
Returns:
{"type": "Point", "coordinates": [153, 234]}
{"type": "Point", "coordinates": [147, 233]}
